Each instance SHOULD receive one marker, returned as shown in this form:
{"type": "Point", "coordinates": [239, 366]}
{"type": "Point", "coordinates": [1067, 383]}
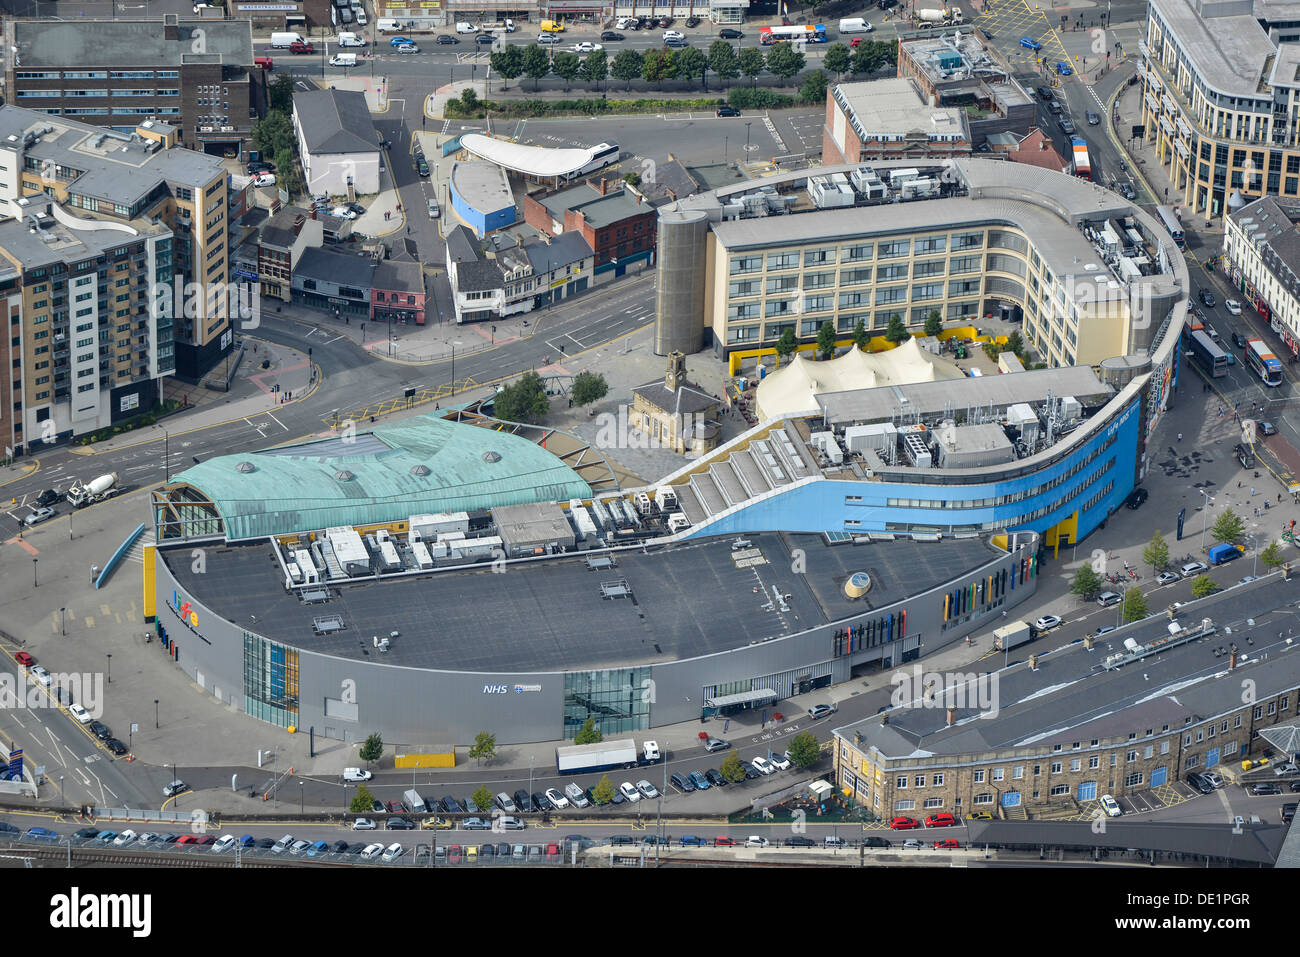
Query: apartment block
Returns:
{"type": "Point", "coordinates": [1262, 244]}
{"type": "Point", "coordinates": [116, 178]}
{"type": "Point", "coordinates": [197, 75]}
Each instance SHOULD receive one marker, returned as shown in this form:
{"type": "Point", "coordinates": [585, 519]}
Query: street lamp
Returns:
{"type": "Point", "coordinates": [155, 714]}
{"type": "Point", "coordinates": [109, 657]}
{"type": "Point", "coordinates": [35, 583]}
{"type": "Point", "coordinates": [63, 630]}
{"type": "Point", "coordinates": [167, 461]}
{"type": "Point", "coordinates": [301, 806]}
{"type": "Point", "coordinates": [1205, 511]}
{"type": "Point", "coordinates": [748, 124]}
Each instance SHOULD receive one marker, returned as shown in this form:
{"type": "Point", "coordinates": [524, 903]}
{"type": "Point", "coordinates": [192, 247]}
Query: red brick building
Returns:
{"type": "Point", "coordinates": [613, 218]}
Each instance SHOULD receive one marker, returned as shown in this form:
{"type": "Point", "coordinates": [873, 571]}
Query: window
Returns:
{"type": "Point", "coordinates": [1059, 789]}
{"type": "Point", "coordinates": [891, 294]}
{"type": "Point", "coordinates": [1133, 755]}
{"type": "Point", "coordinates": [932, 803]}
{"type": "Point", "coordinates": [982, 799]}
{"type": "Point", "coordinates": [1056, 767]}
{"type": "Point", "coordinates": [928, 290]}
{"type": "Point", "coordinates": [895, 249]}
{"type": "Point", "coordinates": [855, 277]}
{"type": "Point", "coordinates": [1093, 762]}
{"type": "Point", "coordinates": [1134, 779]}
{"type": "Point", "coordinates": [856, 253]}
{"type": "Point", "coordinates": [937, 779]}
{"type": "Point", "coordinates": [901, 783]}
{"type": "Point", "coordinates": [818, 257]}
{"type": "Point", "coordinates": [930, 267]}
{"type": "Point", "coordinates": [967, 240]}
{"type": "Point", "coordinates": [979, 777]}
{"type": "Point", "coordinates": [885, 273]}
{"type": "Point", "coordinates": [931, 244]}
{"type": "Point", "coordinates": [783, 260]}
{"type": "Point", "coordinates": [997, 774]}
{"type": "Point", "coordinates": [1018, 773]}
{"type": "Point", "coordinates": [919, 781]}
{"type": "Point", "coordinates": [1076, 764]}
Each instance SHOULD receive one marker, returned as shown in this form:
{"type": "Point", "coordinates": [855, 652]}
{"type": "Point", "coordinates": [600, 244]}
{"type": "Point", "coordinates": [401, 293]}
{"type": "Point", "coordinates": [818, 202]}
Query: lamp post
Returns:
{"type": "Point", "coordinates": [63, 630]}
{"type": "Point", "coordinates": [1205, 511]}
{"type": "Point", "coordinates": [453, 383]}
{"type": "Point", "coordinates": [155, 714]}
{"type": "Point", "coordinates": [109, 658]}
{"type": "Point", "coordinates": [167, 462]}
{"type": "Point", "coordinates": [748, 124]}
{"type": "Point", "coordinates": [35, 583]}
{"type": "Point", "coordinates": [301, 799]}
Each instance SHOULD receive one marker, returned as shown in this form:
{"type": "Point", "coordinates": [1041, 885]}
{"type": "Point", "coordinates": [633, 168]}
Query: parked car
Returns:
{"type": "Point", "coordinates": [821, 711]}
{"type": "Point", "coordinates": [475, 824]}
{"type": "Point", "coordinates": [780, 762]}
{"type": "Point", "coordinates": [1110, 806]}
{"type": "Point", "coordinates": [799, 841]}
{"type": "Point", "coordinates": [451, 805]}
{"type": "Point", "coordinates": [557, 800]}
{"type": "Point", "coordinates": [609, 36]}
{"type": "Point", "coordinates": [947, 844]}
{"type": "Point", "coordinates": [444, 39]}
{"type": "Point", "coordinates": [1030, 44]}
{"type": "Point", "coordinates": [511, 824]}
{"type": "Point", "coordinates": [1281, 770]}
{"type": "Point", "coordinates": [681, 782]}
{"type": "Point", "coordinates": [630, 793]}
{"type": "Point", "coordinates": [576, 795]}
{"type": "Point", "coordinates": [1233, 307]}
{"type": "Point", "coordinates": [943, 819]}
{"type": "Point", "coordinates": [712, 744]}
{"type": "Point", "coordinates": [1066, 124]}
{"type": "Point", "coordinates": [421, 165]}
{"type": "Point", "coordinates": [24, 659]}
{"type": "Point", "coordinates": [755, 840]}
{"type": "Point", "coordinates": [264, 179]}
{"type": "Point", "coordinates": [317, 848]}
{"type": "Point", "coordinates": [715, 778]}
{"type": "Point", "coordinates": [37, 516]}
{"type": "Point", "coordinates": [762, 766]}
{"type": "Point", "coordinates": [1103, 630]}
{"type": "Point", "coordinates": [356, 774]}
{"type": "Point", "coordinates": [647, 789]}
{"type": "Point", "coordinates": [101, 730]}
{"type": "Point", "coordinates": [225, 843]}
{"type": "Point", "coordinates": [371, 851]}
{"type": "Point", "coordinates": [904, 823]}
{"type": "Point", "coordinates": [42, 834]}
{"type": "Point", "coordinates": [1108, 598]}
{"type": "Point", "coordinates": [1136, 498]}
{"type": "Point", "coordinates": [1168, 578]}
{"type": "Point", "coordinates": [1265, 787]}
{"type": "Point", "coordinates": [524, 801]}
{"type": "Point", "coordinates": [700, 781]}
{"type": "Point", "coordinates": [129, 837]}
{"type": "Point", "coordinates": [726, 111]}
{"type": "Point", "coordinates": [505, 803]}
{"type": "Point", "coordinates": [116, 746]}
{"type": "Point", "coordinates": [1047, 622]}
{"type": "Point", "coordinates": [80, 713]}
{"type": "Point", "coordinates": [1193, 568]}
{"type": "Point", "coordinates": [980, 816]}
{"type": "Point", "coordinates": [399, 824]}
{"type": "Point", "coordinates": [42, 676]}
{"type": "Point", "coordinates": [727, 33]}
{"type": "Point", "coordinates": [540, 803]}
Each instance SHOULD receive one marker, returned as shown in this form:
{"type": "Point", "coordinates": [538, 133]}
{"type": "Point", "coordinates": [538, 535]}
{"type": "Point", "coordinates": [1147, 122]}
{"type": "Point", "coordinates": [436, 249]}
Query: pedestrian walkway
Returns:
{"type": "Point", "coordinates": [375, 89]}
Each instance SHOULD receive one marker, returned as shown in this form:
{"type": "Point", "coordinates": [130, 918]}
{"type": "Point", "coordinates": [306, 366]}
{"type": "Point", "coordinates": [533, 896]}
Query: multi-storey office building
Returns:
{"type": "Point", "coordinates": [197, 75]}
{"type": "Point", "coordinates": [1221, 99]}
{"type": "Point", "coordinates": [117, 178]}
{"type": "Point", "coordinates": [1262, 244]}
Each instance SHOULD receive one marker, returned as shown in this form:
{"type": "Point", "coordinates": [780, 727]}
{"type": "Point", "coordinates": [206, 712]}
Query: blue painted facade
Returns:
{"type": "Point", "coordinates": [1104, 470]}
{"type": "Point", "coordinates": [481, 221]}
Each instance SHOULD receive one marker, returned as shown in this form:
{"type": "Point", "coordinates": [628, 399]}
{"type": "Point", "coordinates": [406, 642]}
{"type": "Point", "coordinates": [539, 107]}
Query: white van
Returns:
{"type": "Point", "coordinates": [466, 28]}
{"type": "Point", "coordinates": [282, 41]}
{"type": "Point", "coordinates": [343, 59]}
{"type": "Point", "coordinates": [350, 40]}
{"type": "Point", "coordinates": [387, 25]}
{"type": "Point", "coordinates": [855, 25]}
{"type": "Point", "coordinates": [414, 801]}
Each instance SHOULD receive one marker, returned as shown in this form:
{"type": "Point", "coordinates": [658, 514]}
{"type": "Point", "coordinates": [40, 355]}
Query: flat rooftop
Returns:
{"type": "Point", "coordinates": [686, 601]}
{"type": "Point", "coordinates": [1071, 698]}
{"type": "Point", "coordinates": [484, 186]}
{"type": "Point", "coordinates": [1229, 52]}
{"type": "Point", "coordinates": [87, 42]}
{"type": "Point", "coordinates": [892, 108]}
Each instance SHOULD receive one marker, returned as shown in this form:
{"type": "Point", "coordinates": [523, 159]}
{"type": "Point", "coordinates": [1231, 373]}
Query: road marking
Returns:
{"type": "Point", "coordinates": [277, 421]}
{"type": "Point", "coordinates": [255, 428]}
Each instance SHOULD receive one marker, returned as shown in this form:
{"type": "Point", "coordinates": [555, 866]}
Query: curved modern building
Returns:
{"type": "Point", "coordinates": [881, 524]}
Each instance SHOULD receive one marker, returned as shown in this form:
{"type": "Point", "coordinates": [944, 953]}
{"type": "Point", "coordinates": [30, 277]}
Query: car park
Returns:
{"type": "Point", "coordinates": [1110, 806]}
{"type": "Point", "coordinates": [630, 793]}
{"type": "Point", "coordinates": [1047, 622]}
{"type": "Point", "coordinates": [762, 766]}
{"type": "Point", "coordinates": [904, 823]}
{"type": "Point", "coordinates": [37, 516]}
{"type": "Point", "coordinates": [647, 789]}
{"type": "Point", "coordinates": [681, 782]}
{"type": "Point", "coordinates": [80, 713]}
{"type": "Point", "coordinates": [1193, 568]}
{"type": "Point", "coordinates": [700, 781]}
{"type": "Point", "coordinates": [534, 852]}
{"type": "Point", "coordinates": [557, 800]}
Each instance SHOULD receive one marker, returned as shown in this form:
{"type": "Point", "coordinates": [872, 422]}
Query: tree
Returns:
{"type": "Point", "coordinates": [784, 60]}
{"type": "Point", "coordinates": [1228, 527]}
{"type": "Point", "coordinates": [786, 345]}
{"type": "Point", "coordinates": [813, 89]}
{"type": "Point", "coordinates": [751, 62]}
{"type": "Point", "coordinates": [1156, 552]}
{"type": "Point", "coordinates": [588, 387]}
{"type": "Point", "coordinates": [839, 58]}
{"type": "Point", "coordinates": [588, 733]}
{"type": "Point", "coordinates": [826, 339]}
{"type": "Point", "coordinates": [933, 323]}
{"type": "Point", "coordinates": [1202, 585]}
{"type": "Point", "coordinates": [565, 65]}
{"type": "Point", "coordinates": [1271, 556]}
{"type": "Point", "coordinates": [803, 750]}
{"type": "Point", "coordinates": [603, 790]}
{"type": "Point", "coordinates": [485, 747]}
{"type": "Point", "coordinates": [595, 67]}
{"type": "Point", "coordinates": [524, 401]}
{"type": "Point", "coordinates": [1087, 583]}
{"type": "Point", "coordinates": [692, 63]}
{"type": "Point", "coordinates": [364, 802]}
{"type": "Point", "coordinates": [860, 335]}
{"type": "Point", "coordinates": [733, 769]}
{"type": "Point", "coordinates": [1016, 343]}
{"type": "Point", "coordinates": [481, 798]}
{"type": "Point", "coordinates": [626, 66]}
{"type": "Point", "coordinates": [286, 171]}
{"type": "Point", "coordinates": [280, 94]}
{"type": "Point", "coordinates": [672, 64]}
{"type": "Point", "coordinates": [536, 64]}
{"type": "Point", "coordinates": [273, 134]}
{"type": "Point", "coordinates": [372, 749]}
{"type": "Point", "coordinates": [1135, 604]}
{"type": "Point", "coordinates": [897, 332]}
{"type": "Point", "coordinates": [468, 99]}
{"type": "Point", "coordinates": [723, 60]}
{"type": "Point", "coordinates": [654, 67]}
{"type": "Point", "coordinates": [868, 58]}
{"type": "Point", "coordinates": [508, 63]}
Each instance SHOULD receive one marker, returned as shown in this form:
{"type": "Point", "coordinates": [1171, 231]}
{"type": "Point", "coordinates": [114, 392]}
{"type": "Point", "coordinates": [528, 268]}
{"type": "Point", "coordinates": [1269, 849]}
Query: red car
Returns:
{"type": "Point", "coordinates": [941, 820]}
{"type": "Point", "coordinates": [453, 854]}
{"type": "Point", "coordinates": [552, 850]}
{"type": "Point", "coordinates": [947, 844]}
{"type": "Point", "coordinates": [205, 840]}
{"type": "Point", "coordinates": [299, 47]}
{"type": "Point", "coordinates": [187, 839]}
{"type": "Point", "coordinates": [904, 823]}
{"type": "Point", "coordinates": [724, 842]}
{"type": "Point", "coordinates": [855, 42]}
{"type": "Point", "coordinates": [24, 659]}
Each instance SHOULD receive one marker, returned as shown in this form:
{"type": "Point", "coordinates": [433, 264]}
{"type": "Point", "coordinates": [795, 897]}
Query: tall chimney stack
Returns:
{"type": "Point", "coordinates": [952, 717]}
{"type": "Point", "coordinates": [1232, 658]}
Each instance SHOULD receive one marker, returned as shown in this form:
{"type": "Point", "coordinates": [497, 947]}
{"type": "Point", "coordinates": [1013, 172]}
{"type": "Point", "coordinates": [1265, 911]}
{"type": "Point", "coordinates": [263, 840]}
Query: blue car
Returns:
{"type": "Point", "coordinates": [320, 847]}
{"type": "Point", "coordinates": [690, 840]}
{"type": "Point", "coordinates": [401, 42]}
{"type": "Point", "coordinates": [42, 834]}
{"type": "Point", "coordinates": [700, 781]}
{"type": "Point", "coordinates": [1063, 68]}
{"type": "Point", "coordinates": [105, 837]}
{"type": "Point", "coordinates": [1030, 44]}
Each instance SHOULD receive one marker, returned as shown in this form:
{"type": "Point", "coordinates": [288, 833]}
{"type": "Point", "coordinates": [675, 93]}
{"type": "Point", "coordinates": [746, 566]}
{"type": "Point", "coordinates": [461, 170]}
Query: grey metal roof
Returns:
{"type": "Point", "coordinates": [462, 246]}
{"type": "Point", "coordinates": [129, 43]}
{"type": "Point", "coordinates": [543, 614]}
{"type": "Point", "coordinates": [1271, 227]}
{"type": "Point", "coordinates": [335, 121]}
{"type": "Point", "coordinates": [1253, 844]}
{"type": "Point", "coordinates": [485, 186]}
{"type": "Point", "coordinates": [342, 268]}
{"type": "Point", "coordinates": [928, 398]}
{"type": "Point", "coordinates": [617, 204]}
{"type": "Point", "coordinates": [561, 251]}
{"type": "Point", "coordinates": [1229, 52]}
{"type": "Point", "coordinates": [1068, 698]}
{"type": "Point", "coordinates": [688, 399]}
{"type": "Point", "coordinates": [398, 275]}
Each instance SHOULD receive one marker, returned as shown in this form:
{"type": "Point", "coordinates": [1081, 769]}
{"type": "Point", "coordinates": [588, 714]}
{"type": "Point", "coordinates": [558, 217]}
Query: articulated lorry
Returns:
{"type": "Point", "coordinates": [1012, 635]}
{"type": "Point", "coordinates": [95, 491]}
{"type": "Point", "coordinates": [605, 756]}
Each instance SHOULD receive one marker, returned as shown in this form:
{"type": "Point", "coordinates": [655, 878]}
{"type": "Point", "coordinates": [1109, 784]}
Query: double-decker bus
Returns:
{"type": "Point", "coordinates": [1207, 354]}
{"type": "Point", "coordinates": [1171, 223]}
{"type": "Point", "coordinates": [808, 33]}
{"type": "Point", "coordinates": [1264, 363]}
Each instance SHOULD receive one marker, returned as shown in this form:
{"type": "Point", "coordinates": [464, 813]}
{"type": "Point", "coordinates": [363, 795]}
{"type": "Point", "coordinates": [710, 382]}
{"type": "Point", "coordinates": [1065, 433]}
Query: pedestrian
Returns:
{"type": "Point", "coordinates": [1180, 436]}
{"type": "Point", "coordinates": [1252, 491]}
{"type": "Point", "coordinates": [1238, 485]}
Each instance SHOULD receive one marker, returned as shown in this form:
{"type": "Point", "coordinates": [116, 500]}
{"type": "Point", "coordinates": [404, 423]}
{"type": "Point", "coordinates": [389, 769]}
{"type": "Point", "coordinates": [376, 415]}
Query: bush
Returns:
{"type": "Point", "coordinates": [743, 98]}
{"type": "Point", "coordinates": [587, 106]}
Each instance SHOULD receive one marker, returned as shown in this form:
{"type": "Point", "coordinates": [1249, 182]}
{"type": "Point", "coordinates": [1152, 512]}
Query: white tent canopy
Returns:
{"type": "Point", "coordinates": [794, 388]}
{"type": "Point", "coordinates": [539, 161]}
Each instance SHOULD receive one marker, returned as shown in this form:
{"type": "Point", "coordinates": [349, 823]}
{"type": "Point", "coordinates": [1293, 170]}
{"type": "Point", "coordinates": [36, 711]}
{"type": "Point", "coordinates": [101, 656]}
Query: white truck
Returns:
{"type": "Point", "coordinates": [1012, 635]}
{"type": "Point", "coordinates": [605, 756]}
{"type": "Point", "coordinates": [855, 25]}
{"type": "Point", "coordinates": [94, 491]}
{"type": "Point", "coordinates": [282, 41]}
{"type": "Point", "coordinates": [501, 26]}
{"type": "Point", "coordinates": [934, 15]}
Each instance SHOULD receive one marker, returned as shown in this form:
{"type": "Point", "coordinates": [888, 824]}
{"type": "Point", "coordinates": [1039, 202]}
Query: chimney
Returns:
{"type": "Point", "coordinates": [604, 184]}
{"type": "Point", "coordinates": [171, 30]}
{"type": "Point", "coordinates": [952, 717]}
{"type": "Point", "coordinates": [1232, 659]}
{"type": "Point", "coordinates": [857, 737]}
{"type": "Point", "coordinates": [639, 197]}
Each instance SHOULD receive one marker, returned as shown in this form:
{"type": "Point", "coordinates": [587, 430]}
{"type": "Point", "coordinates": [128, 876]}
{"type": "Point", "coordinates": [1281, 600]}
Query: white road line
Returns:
{"type": "Point", "coordinates": [335, 339]}
{"type": "Point", "coordinates": [277, 421]}
{"type": "Point", "coordinates": [139, 468]}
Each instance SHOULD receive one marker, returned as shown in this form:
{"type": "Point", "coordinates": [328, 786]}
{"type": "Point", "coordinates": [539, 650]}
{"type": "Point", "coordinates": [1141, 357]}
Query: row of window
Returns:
{"type": "Point", "coordinates": [891, 249]}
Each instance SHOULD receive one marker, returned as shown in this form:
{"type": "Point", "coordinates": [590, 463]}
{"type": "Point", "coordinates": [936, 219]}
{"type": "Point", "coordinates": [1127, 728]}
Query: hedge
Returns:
{"type": "Point", "coordinates": [583, 107]}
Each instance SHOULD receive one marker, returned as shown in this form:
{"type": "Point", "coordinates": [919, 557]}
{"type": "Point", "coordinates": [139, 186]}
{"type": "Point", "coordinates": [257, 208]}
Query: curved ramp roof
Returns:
{"type": "Point", "coordinates": [377, 477]}
{"type": "Point", "coordinates": [528, 160]}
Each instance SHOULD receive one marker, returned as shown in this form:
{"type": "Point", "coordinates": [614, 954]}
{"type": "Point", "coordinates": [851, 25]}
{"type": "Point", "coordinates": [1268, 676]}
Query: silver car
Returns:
{"type": "Point", "coordinates": [434, 212]}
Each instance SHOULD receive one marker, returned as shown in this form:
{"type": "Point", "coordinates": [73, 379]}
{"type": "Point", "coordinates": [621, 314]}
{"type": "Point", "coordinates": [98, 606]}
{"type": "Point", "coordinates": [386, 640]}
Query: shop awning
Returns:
{"type": "Point", "coordinates": [744, 697]}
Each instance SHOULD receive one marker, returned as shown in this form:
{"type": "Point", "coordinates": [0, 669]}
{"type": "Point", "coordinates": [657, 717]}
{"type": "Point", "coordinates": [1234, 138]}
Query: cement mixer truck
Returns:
{"type": "Point", "coordinates": [93, 491]}
{"type": "Point", "coordinates": [932, 16]}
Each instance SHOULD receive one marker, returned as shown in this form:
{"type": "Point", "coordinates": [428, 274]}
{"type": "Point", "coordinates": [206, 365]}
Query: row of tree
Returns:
{"type": "Point", "coordinates": [686, 63]}
{"type": "Point", "coordinates": [895, 332]}
{"type": "Point", "coordinates": [274, 137]}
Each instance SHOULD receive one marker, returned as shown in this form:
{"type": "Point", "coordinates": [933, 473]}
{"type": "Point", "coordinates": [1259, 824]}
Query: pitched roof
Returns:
{"type": "Point", "coordinates": [333, 121]}
{"type": "Point", "coordinates": [398, 274]}
{"type": "Point", "coordinates": [562, 250]}
{"type": "Point", "coordinates": [321, 264]}
{"type": "Point", "coordinates": [1036, 149]}
{"type": "Point", "coordinates": [687, 399]}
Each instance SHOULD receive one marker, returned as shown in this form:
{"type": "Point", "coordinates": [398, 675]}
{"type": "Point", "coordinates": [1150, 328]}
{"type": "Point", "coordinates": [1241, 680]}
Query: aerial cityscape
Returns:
{"type": "Point", "coordinates": [735, 434]}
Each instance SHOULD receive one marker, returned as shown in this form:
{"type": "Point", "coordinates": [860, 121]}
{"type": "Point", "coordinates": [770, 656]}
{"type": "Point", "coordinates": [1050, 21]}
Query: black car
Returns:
{"type": "Point", "coordinates": [682, 782]}
{"type": "Point", "coordinates": [356, 848]}
{"type": "Point", "coordinates": [419, 163]}
{"type": "Point", "coordinates": [610, 35]}
{"type": "Point", "coordinates": [751, 772]}
{"type": "Point", "coordinates": [339, 847]}
{"type": "Point", "coordinates": [692, 22]}
{"type": "Point", "coordinates": [621, 839]}
{"type": "Point", "coordinates": [101, 730]}
{"type": "Point", "coordinates": [727, 111]}
{"type": "Point", "coordinates": [451, 805]}
{"type": "Point", "coordinates": [503, 851]}
{"type": "Point", "coordinates": [1238, 340]}
{"type": "Point", "coordinates": [730, 34]}
{"type": "Point", "coordinates": [798, 841]}
{"type": "Point", "coordinates": [1266, 428]}
{"type": "Point", "coordinates": [264, 843]}
{"type": "Point", "coordinates": [87, 834]}
{"type": "Point", "coordinates": [1136, 498]}
{"type": "Point", "coordinates": [1207, 298]}
{"type": "Point", "coordinates": [524, 801]}
{"type": "Point", "coordinates": [399, 824]}
{"type": "Point", "coordinates": [1092, 118]}
{"type": "Point", "coordinates": [1045, 92]}
{"type": "Point", "coordinates": [445, 39]}
{"type": "Point", "coordinates": [875, 842]}
{"type": "Point", "coordinates": [356, 208]}
{"type": "Point", "coordinates": [715, 778]}
{"type": "Point", "coordinates": [540, 802]}
{"type": "Point", "coordinates": [261, 166]}
{"type": "Point", "coordinates": [485, 39]}
{"type": "Point", "coordinates": [887, 4]}
{"type": "Point", "coordinates": [1201, 785]}
{"type": "Point", "coordinates": [47, 498]}
{"type": "Point", "coordinates": [1265, 787]}
{"type": "Point", "coordinates": [116, 746]}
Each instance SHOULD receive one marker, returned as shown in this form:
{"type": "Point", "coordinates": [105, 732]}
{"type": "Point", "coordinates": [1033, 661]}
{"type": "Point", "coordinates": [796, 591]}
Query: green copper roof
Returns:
{"type": "Point", "coordinates": [420, 465]}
